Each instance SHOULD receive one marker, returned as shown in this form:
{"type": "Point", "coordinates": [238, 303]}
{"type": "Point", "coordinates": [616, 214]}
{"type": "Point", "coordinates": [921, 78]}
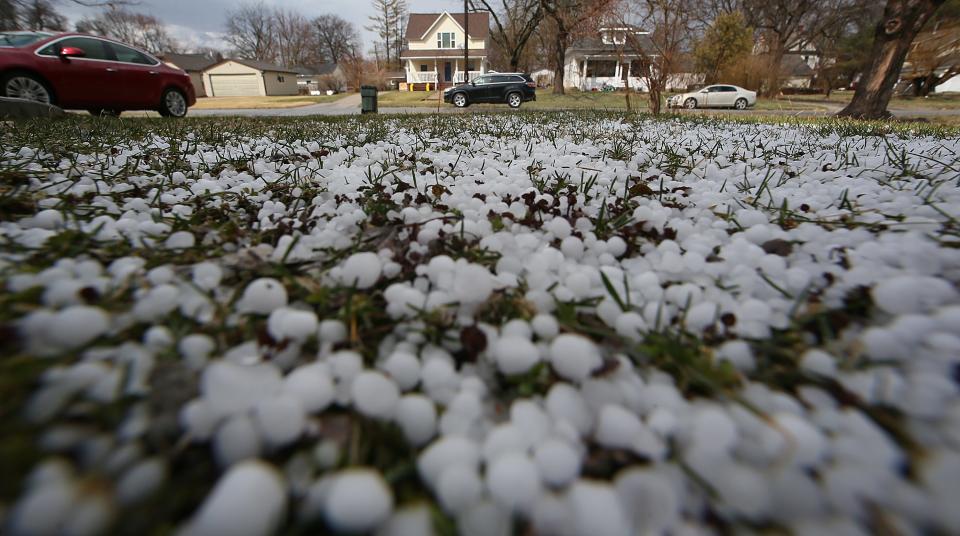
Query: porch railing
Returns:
{"type": "Point", "coordinates": [458, 76]}
{"type": "Point", "coordinates": [420, 77]}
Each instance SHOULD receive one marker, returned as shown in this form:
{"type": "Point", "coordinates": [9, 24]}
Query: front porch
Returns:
{"type": "Point", "coordinates": [595, 73]}
{"type": "Point", "coordinates": [430, 73]}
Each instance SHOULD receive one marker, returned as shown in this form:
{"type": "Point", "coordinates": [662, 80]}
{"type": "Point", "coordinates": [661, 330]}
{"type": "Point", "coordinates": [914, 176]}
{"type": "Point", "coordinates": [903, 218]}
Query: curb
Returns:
{"type": "Point", "coordinates": [26, 109]}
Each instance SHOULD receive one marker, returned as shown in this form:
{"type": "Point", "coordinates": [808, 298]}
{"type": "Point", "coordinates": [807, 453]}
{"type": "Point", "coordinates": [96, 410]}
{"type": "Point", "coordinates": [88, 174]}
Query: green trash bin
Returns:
{"type": "Point", "coordinates": [368, 99]}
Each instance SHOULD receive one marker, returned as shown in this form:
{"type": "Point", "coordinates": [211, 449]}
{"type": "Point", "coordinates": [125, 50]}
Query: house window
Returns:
{"type": "Point", "coordinates": [446, 40]}
{"type": "Point", "coordinates": [423, 67]}
{"type": "Point", "coordinates": [279, 79]}
{"type": "Point", "coordinates": [601, 68]}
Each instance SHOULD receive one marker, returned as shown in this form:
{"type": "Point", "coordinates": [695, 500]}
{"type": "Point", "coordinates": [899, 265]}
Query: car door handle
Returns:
{"type": "Point", "coordinates": [111, 70]}
{"type": "Point", "coordinates": [154, 73]}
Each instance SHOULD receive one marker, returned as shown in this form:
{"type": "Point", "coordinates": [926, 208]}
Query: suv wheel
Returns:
{"type": "Point", "coordinates": [460, 100]}
{"type": "Point", "coordinates": [514, 100]}
{"type": "Point", "coordinates": [173, 103]}
{"type": "Point", "coordinates": [690, 104]}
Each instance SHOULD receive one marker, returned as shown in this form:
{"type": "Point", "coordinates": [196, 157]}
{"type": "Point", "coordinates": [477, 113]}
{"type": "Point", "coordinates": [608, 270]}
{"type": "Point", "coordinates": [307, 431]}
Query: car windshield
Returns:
{"type": "Point", "coordinates": [20, 39]}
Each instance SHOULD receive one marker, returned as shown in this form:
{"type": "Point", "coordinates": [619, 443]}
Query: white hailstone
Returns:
{"type": "Point", "coordinates": [558, 462]}
{"type": "Point", "coordinates": [358, 501]}
{"type": "Point", "coordinates": [472, 283]}
{"type": "Point", "coordinates": [574, 357]}
{"type": "Point", "coordinates": [293, 324]}
{"type": "Point", "coordinates": [558, 227]}
{"type": "Point", "coordinates": [417, 417]}
{"type": "Point", "coordinates": [409, 520]}
{"type": "Point", "coordinates": [280, 420]}
{"type": "Point", "coordinates": [712, 429]}
{"type": "Point", "coordinates": [262, 296]}
{"type": "Point", "coordinates": [43, 509]}
{"type": "Point", "coordinates": [545, 326]}
{"type": "Point", "coordinates": [616, 246]}
{"type": "Point", "coordinates": [311, 385]}
{"type": "Point", "coordinates": [199, 419]}
{"type": "Point", "coordinates": [77, 326]}
{"type": "Point", "coordinates": [515, 355]}
{"type": "Point", "coordinates": [141, 481]}
{"type": "Point", "coordinates": [514, 482]}
{"type": "Point", "coordinates": [333, 331]}
{"type": "Point", "coordinates": [907, 294]}
{"type": "Point", "coordinates": [161, 275]}
{"type": "Point", "coordinates": [92, 515]}
{"type": "Point", "coordinates": [249, 500]}
{"type": "Point", "coordinates": [565, 403]}
{"type": "Point", "coordinates": [231, 388]}
{"type": "Point", "coordinates": [439, 379]}
{"type": "Point", "coordinates": [741, 488]}
{"type": "Point", "coordinates": [504, 438]}
{"type": "Point", "coordinates": [375, 395]}
{"type": "Point", "coordinates": [207, 275]}
{"type": "Point", "coordinates": [159, 302]}
{"type": "Point", "coordinates": [572, 247]}
{"type": "Point", "coordinates": [446, 452]}
{"type": "Point", "coordinates": [361, 270]}
{"type": "Point", "coordinates": [485, 518]}
{"type": "Point", "coordinates": [596, 510]}
{"type": "Point", "coordinates": [180, 240]}
{"type": "Point", "coordinates": [579, 284]}
{"type": "Point", "coordinates": [620, 429]}
{"type": "Point", "coordinates": [195, 348]}
{"type": "Point", "coordinates": [404, 368]}
{"type": "Point", "coordinates": [236, 440]}
{"type": "Point", "coordinates": [631, 326]}
{"type": "Point", "coordinates": [530, 417]}
{"type": "Point", "coordinates": [818, 362]}
{"type": "Point", "coordinates": [459, 487]}
{"type": "Point", "coordinates": [701, 315]}
{"type": "Point", "coordinates": [650, 499]}
{"type": "Point", "coordinates": [738, 353]}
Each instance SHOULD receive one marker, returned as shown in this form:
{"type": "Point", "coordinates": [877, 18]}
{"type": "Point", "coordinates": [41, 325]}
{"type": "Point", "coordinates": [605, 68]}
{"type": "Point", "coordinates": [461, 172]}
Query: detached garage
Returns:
{"type": "Point", "coordinates": [243, 78]}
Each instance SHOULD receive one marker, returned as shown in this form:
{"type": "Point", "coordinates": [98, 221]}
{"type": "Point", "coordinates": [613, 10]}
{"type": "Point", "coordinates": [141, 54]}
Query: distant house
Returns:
{"type": "Point", "coordinates": [315, 79]}
{"type": "Point", "coordinates": [434, 53]}
{"type": "Point", "coordinates": [246, 78]}
{"type": "Point", "coordinates": [796, 72]}
{"type": "Point", "coordinates": [194, 65]}
{"type": "Point", "coordinates": [600, 61]}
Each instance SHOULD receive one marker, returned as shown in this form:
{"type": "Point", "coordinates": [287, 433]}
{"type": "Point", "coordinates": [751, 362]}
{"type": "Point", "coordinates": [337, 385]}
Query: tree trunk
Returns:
{"type": "Point", "coordinates": [559, 55]}
{"type": "Point", "coordinates": [773, 72]}
{"type": "Point", "coordinates": [902, 21]}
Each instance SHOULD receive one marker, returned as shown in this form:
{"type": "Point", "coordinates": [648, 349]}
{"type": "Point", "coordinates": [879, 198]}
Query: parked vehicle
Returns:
{"type": "Point", "coordinates": [511, 88]}
{"type": "Point", "coordinates": [77, 71]}
{"type": "Point", "coordinates": [716, 96]}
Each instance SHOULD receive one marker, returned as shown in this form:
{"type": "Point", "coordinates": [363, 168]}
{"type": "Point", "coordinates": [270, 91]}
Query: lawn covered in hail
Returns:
{"type": "Point", "coordinates": [554, 324]}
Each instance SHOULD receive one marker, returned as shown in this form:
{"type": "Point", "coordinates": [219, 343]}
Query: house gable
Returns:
{"type": "Point", "coordinates": [422, 30]}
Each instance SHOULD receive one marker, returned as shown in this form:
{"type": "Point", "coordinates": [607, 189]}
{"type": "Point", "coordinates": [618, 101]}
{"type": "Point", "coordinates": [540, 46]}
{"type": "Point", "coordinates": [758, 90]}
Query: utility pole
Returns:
{"type": "Point", "coordinates": [466, 44]}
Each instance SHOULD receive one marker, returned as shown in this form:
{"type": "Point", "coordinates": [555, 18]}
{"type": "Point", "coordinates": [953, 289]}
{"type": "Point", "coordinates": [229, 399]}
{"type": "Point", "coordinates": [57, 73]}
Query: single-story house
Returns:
{"type": "Point", "coordinates": [316, 79]}
{"type": "Point", "coordinates": [194, 65]}
{"type": "Point", "coordinates": [247, 78]}
{"type": "Point", "coordinates": [434, 48]}
{"type": "Point", "coordinates": [796, 72]}
{"type": "Point", "coordinates": [593, 63]}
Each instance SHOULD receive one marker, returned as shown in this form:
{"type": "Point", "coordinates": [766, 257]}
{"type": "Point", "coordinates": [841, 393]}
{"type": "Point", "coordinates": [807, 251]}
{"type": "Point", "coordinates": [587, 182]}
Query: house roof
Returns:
{"type": "Point", "coordinates": [189, 62]}
{"type": "Point", "coordinates": [419, 23]}
{"type": "Point", "coordinates": [440, 53]}
{"type": "Point", "coordinates": [322, 69]}
{"type": "Point", "coordinates": [258, 65]}
{"type": "Point", "coordinates": [793, 65]}
{"type": "Point", "coordinates": [594, 45]}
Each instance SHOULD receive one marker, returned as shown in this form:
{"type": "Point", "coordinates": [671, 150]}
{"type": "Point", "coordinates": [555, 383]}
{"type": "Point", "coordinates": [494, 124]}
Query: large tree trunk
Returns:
{"type": "Point", "coordinates": [559, 56]}
{"type": "Point", "coordinates": [773, 69]}
{"type": "Point", "coordinates": [902, 21]}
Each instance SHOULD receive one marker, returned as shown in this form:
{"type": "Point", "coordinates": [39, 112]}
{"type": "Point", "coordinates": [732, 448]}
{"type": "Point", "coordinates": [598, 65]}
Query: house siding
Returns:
{"type": "Point", "coordinates": [230, 67]}
{"type": "Point", "coordinates": [274, 87]}
{"type": "Point", "coordinates": [268, 80]}
{"type": "Point", "coordinates": [445, 24]}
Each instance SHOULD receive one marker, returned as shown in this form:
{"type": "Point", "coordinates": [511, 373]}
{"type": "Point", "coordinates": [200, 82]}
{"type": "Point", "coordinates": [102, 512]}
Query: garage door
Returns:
{"type": "Point", "coordinates": [235, 85]}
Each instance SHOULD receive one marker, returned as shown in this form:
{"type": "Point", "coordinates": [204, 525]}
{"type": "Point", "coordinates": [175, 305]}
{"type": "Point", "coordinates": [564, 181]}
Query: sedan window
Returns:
{"type": "Point", "coordinates": [129, 55]}
{"type": "Point", "coordinates": [729, 89]}
{"type": "Point", "coordinates": [95, 49]}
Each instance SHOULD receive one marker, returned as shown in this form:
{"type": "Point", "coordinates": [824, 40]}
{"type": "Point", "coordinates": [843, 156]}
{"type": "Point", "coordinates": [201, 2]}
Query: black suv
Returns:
{"type": "Point", "coordinates": [511, 88]}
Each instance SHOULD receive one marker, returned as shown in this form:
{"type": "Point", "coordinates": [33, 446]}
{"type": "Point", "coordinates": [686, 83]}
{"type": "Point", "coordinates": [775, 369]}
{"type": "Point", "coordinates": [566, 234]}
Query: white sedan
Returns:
{"type": "Point", "coordinates": [716, 96]}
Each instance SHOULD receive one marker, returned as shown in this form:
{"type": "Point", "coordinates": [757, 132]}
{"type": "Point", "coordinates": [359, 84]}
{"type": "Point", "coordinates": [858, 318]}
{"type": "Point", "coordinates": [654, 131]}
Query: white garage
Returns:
{"type": "Point", "coordinates": [244, 78]}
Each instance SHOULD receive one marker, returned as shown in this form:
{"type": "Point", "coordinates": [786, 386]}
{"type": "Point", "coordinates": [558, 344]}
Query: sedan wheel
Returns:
{"type": "Point", "coordinates": [460, 100]}
{"type": "Point", "coordinates": [690, 104]}
{"type": "Point", "coordinates": [26, 87]}
{"type": "Point", "coordinates": [514, 100]}
{"type": "Point", "coordinates": [741, 104]}
{"type": "Point", "coordinates": [173, 104]}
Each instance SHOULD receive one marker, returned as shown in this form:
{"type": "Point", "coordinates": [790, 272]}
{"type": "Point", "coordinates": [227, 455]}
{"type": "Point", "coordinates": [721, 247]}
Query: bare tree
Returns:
{"type": "Point", "coordinates": [569, 18]}
{"type": "Point", "coordinates": [387, 23]}
{"type": "Point", "coordinates": [337, 38]}
{"type": "Point", "coordinates": [251, 32]}
{"type": "Point", "coordinates": [901, 22]}
{"type": "Point", "coordinates": [933, 58]}
{"type": "Point", "coordinates": [140, 30]}
{"type": "Point", "coordinates": [41, 15]}
{"type": "Point", "coordinates": [295, 37]}
{"type": "Point", "coordinates": [514, 21]}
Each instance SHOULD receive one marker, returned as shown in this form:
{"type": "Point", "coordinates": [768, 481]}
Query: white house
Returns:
{"type": "Point", "coordinates": [597, 62]}
{"type": "Point", "coordinates": [245, 78]}
{"type": "Point", "coordinates": [434, 51]}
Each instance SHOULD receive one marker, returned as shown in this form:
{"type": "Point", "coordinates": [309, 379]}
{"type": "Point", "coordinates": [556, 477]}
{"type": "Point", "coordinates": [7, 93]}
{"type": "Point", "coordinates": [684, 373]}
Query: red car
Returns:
{"type": "Point", "coordinates": [85, 72]}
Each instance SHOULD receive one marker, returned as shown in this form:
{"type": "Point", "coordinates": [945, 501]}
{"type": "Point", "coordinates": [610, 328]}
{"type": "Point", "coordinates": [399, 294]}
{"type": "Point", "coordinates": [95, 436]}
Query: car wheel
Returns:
{"type": "Point", "coordinates": [690, 103]}
{"type": "Point", "coordinates": [741, 104]}
{"type": "Point", "coordinates": [460, 100]}
{"type": "Point", "coordinates": [173, 103]}
{"type": "Point", "coordinates": [26, 86]}
{"type": "Point", "coordinates": [514, 100]}
{"type": "Point", "coordinates": [100, 112]}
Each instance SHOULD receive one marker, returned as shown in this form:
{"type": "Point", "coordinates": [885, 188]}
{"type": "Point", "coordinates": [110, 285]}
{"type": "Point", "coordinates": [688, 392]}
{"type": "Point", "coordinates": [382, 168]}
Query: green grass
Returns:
{"type": "Point", "coordinates": [947, 101]}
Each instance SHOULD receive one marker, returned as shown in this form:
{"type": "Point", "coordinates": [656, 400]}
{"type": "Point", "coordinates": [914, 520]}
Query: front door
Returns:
{"type": "Point", "coordinates": [447, 72]}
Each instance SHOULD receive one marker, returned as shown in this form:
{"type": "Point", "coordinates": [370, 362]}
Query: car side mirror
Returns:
{"type": "Point", "coordinates": [472, 83]}
{"type": "Point", "coordinates": [72, 52]}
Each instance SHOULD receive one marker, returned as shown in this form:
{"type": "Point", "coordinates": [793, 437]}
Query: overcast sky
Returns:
{"type": "Point", "coordinates": [198, 22]}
